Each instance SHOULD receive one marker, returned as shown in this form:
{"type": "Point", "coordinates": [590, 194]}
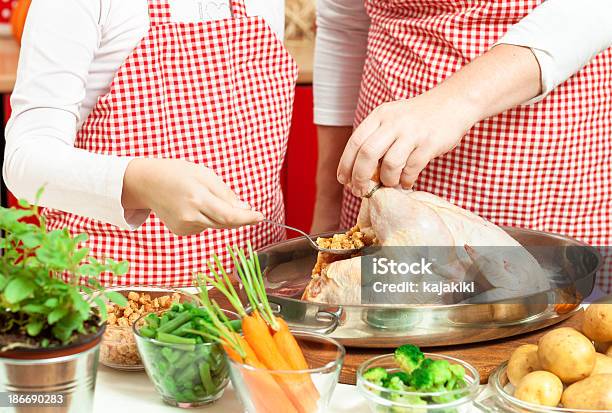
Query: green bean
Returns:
{"type": "Point", "coordinates": [199, 312]}
{"type": "Point", "coordinates": [174, 323]}
{"type": "Point", "coordinates": [186, 376]}
{"type": "Point", "coordinates": [170, 339]}
{"type": "Point", "coordinates": [206, 378]}
{"type": "Point", "coordinates": [189, 395]}
{"type": "Point", "coordinates": [180, 331]}
{"type": "Point", "coordinates": [169, 385]}
{"type": "Point", "coordinates": [187, 359]}
{"type": "Point", "coordinates": [147, 332]}
{"type": "Point", "coordinates": [235, 325]}
{"type": "Point", "coordinates": [170, 355]}
{"type": "Point", "coordinates": [152, 320]}
{"type": "Point", "coordinates": [162, 366]}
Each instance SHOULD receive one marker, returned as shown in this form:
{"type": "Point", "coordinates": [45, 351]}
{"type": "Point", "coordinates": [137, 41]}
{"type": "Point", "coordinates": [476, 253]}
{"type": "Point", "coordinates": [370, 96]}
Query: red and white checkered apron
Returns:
{"type": "Point", "coordinates": [218, 93]}
{"type": "Point", "coordinates": [547, 166]}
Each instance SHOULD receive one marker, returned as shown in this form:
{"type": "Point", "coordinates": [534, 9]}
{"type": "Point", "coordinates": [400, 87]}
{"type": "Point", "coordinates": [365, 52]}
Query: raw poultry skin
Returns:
{"type": "Point", "coordinates": [394, 217]}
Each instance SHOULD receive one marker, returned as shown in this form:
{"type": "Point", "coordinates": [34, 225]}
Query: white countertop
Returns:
{"type": "Point", "coordinates": [119, 392]}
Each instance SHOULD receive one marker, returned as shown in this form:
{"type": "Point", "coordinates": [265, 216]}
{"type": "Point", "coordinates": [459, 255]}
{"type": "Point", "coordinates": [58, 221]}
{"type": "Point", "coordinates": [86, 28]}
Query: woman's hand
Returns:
{"type": "Point", "coordinates": [402, 136]}
{"type": "Point", "coordinates": [187, 197]}
{"type": "Point", "coordinates": [405, 135]}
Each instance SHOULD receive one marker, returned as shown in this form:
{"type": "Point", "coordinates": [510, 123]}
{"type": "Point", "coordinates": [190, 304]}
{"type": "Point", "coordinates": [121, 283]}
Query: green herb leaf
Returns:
{"type": "Point", "coordinates": [79, 255]}
{"type": "Point", "coordinates": [34, 309]}
{"type": "Point", "coordinates": [116, 298]}
{"type": "Point", "coordinates": [80, 238]}
{"type": "Point", "coordinates": [101, 307]}
{"type": "Point", "coordinates": [121, 268]}
{"type": "Point", "coordinates": [34, 327]}
{"type": "Point", "coordinates": [31, 240]}
{"type": "Point", "coordinates": [23, 203]}
{"type": "Point", "coordinates": [18, 289]}
{"type": "Point", "coordinates": [51, 302]}
{"type": "Point", "coordinates": [55, 315]}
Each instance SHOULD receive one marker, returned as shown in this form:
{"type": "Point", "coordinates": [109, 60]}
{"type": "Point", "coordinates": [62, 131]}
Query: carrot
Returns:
{"type": "Point", "coordinates": [266, 394]}
{"type": "Point", "coordinates": [251, 357]}
{"type": "Point", "coordinates": [291, 351]}
{"type": "Point", "coordinates": [289, 347]}
{"type": "Point", "coordinates": [259, 326]}
{"type": "Point", "coordinates": [258, 336]}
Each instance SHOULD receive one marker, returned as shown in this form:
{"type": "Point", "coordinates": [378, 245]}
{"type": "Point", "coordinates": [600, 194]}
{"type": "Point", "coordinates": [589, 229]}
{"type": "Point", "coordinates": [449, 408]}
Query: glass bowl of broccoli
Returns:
{"type": "Point", "coordinates": [410, 381]}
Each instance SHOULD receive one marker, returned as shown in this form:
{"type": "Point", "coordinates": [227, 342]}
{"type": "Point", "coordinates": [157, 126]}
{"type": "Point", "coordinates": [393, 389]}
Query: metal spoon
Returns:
{"type": "Point", "coordinates": [313, 242]}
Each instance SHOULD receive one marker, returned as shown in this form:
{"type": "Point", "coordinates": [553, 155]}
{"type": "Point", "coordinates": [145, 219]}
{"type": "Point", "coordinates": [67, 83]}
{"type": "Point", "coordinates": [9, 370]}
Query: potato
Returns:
{"type": "Point", "coordinates": [523, 361]}
{"type": "Point", "coordinates": [567, 354]}
{"type": "Point", "coordinates": [603, 364]}
{"type": "Point", "coordinates": [598, 322]}
{"type": "Point", "coordinates": [540, 387]}
{"type": "Point", "coordinates": [593, 393]}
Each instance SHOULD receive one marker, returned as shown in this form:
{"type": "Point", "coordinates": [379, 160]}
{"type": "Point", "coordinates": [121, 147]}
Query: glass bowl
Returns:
{"type": "Point", "coordinates": [378, 397]}
{"type": "Point", "coordinates": [311, 389]}
{"type": "Point", "coordinates": [118, 348]}
{"type": "Point", "coordinates": [503, 400]}
{"type": "Point", "coordinates": [185, 375]}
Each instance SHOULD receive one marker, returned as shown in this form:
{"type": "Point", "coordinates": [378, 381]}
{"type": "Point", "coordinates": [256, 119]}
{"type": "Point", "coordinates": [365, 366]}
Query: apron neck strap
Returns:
{"type": "Point", "coordinates": [239, 8]}
{"type": "Point", "coordinates": [159, 10]}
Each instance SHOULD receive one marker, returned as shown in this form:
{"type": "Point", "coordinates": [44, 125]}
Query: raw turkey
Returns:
{"type": "Point", "coordinates": [473, 249]}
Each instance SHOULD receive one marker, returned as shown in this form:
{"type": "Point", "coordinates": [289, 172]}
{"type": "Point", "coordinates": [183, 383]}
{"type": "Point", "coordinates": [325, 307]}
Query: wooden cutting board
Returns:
{"type": "Point", "coordinates": [484, 356]}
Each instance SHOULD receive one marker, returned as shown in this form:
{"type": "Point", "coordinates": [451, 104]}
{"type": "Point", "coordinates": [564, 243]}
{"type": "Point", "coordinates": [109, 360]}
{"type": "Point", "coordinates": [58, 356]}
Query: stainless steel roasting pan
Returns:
{"type": "Point", "coordinates": [287, 267]}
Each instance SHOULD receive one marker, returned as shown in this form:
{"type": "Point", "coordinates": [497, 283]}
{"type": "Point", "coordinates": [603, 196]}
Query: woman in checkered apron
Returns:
{"type": "Point", "coordinates": [159, 126]}
{"type": "Point", "coordinates": [501, 107]}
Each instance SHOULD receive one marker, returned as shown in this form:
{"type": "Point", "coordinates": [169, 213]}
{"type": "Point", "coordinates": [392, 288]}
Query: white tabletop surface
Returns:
{"type": "Point", "coordinates": [119, 392]}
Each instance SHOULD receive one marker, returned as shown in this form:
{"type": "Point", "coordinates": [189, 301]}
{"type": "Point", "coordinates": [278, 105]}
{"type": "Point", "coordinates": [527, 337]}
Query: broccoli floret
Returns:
{"type": "Point", "coordinates": [395, 383]}
{"type": "Point", "coordinates": [376, 375]}
{"type": "Point", "coordinates": [408, 357]}
{"type": "Point", "coordinates": [438, 376]}
{"type": "Point", "coordinates": [403, 376]}
{"type": "Point", "coordinates": [457, 370]}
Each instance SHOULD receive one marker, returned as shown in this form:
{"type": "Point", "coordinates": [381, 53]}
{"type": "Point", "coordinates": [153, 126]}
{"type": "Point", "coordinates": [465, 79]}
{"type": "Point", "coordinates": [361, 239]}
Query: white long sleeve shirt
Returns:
{"type": "Point", "coordinates": [71, 50]}
{"type": "Point", "coordinates": [563, 34]}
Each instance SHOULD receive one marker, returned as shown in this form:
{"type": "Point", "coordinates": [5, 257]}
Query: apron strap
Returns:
{"type": "Point", "coordinates": [159, 10]}
{"type": "Point", "coordinates": [239, 8]}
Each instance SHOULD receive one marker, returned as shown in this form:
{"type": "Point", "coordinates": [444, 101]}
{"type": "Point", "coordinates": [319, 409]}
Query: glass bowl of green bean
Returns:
{"type": "Point", "coordinates": [187, 369]}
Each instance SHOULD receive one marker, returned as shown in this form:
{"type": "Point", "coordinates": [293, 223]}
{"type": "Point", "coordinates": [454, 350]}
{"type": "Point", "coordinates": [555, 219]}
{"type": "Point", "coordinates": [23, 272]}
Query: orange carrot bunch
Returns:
{"type": "Point", "coordinates": [266, 342]}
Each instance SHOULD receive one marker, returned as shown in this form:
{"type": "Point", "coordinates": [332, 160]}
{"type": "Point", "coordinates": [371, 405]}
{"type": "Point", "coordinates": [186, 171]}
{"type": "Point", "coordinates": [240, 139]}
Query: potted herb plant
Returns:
{"type": "Point", "coordinates": [52, 312]}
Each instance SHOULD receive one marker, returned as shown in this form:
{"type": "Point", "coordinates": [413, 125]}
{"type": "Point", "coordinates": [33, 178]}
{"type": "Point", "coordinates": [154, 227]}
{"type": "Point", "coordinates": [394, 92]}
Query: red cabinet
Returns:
{"type": "Point", "coordinates": [301, 163]}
